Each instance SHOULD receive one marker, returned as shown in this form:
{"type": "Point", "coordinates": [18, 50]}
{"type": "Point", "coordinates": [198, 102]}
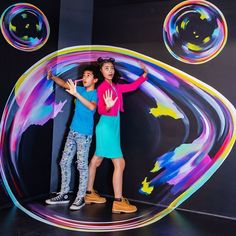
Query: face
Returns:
{"type": "Point", "coordinates": [108, 70]}
{"type": "Point", "coordinates": [88, 78]}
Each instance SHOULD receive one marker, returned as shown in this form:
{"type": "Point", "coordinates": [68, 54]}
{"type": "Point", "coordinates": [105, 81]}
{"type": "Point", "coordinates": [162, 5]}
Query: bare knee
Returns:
{"type": "Point", "coordinates": [119, 164]}
{"type": "Point", "coordinates": [95, 162]}
{"type": "Point", "coordinates": [122, 164]}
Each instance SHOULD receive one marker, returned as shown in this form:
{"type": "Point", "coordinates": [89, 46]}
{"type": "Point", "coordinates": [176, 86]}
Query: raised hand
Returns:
{"type": "Point", "coordinates": [108, 99]}
{"type": "Point", "coordinates": [142, 65]}
{"type": "Point", "coordinates": [72, 87]}
{"type": "Point", "coordinates": [49, 74]}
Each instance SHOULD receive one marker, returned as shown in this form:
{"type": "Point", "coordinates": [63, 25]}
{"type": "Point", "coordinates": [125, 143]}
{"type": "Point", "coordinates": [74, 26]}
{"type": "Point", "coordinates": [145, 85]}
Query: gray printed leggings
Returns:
{"type": "Point", "coordinates": [79, 143]}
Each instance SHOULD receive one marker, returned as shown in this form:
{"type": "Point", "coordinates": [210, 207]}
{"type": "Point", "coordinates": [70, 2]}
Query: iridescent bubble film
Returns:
{"type": "Point", "coordinates": [195, 31]}
{"type": "Point", "coordinates": [25, 27]}
{"type": "Point", "coordinates": [205, 132]}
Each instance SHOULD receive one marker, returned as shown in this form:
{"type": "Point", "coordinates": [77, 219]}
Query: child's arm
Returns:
{"type": "Point", "coordinates": [101, 103]}
{"type": "Point", "coordinates": [124, 88]}
{"type": "Point", "coordinates": [57, 80]}
{"type": "Point", "coordinates": [72, 90]}
{"type": "Point", "coordinates": [145, 69]}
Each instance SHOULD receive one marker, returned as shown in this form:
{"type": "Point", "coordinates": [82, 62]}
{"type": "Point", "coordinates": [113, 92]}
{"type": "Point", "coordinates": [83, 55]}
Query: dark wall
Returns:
{"type": "Point", "coordinates": [138, 25]}
{"type": "Point", "coordinates": [35, 151]}
{"type": "Point", "coordinates": [75, 29]}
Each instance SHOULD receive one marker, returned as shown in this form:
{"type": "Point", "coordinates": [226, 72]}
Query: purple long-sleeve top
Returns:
{"type": "Point", "coordinates": [117, 90]}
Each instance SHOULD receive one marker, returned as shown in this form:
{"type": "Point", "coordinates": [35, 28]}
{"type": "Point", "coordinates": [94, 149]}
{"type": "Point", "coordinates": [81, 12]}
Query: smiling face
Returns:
{"type": "Point", "coordinates": [88, 79]}
{"type": "Point", "coordinates": [108, 71]}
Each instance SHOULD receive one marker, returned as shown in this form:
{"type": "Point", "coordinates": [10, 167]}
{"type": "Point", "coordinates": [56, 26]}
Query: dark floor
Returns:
{"type": "Point", "coordinates": [13, 222]}
{"type": "Point", "coordinates": [94, 212]}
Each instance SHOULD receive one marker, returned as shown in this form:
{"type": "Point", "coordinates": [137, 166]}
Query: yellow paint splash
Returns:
{"type": "Point", "coordinates": [207, 39]}
{"type": "Point", "coordinates": [146, 188]}
{"type": "Point", "coordinates": [25, 37]}
{"type": "Point", "coordinates": [193, 47]}
{"type": "Point", "coordinates": [12, 27]}
{"type": "Point", "coordinates": [162, 110]}
{"type": "Point", "coordinates": [155, 168]}
{"type": "Point", "coordinates": [203, 16]}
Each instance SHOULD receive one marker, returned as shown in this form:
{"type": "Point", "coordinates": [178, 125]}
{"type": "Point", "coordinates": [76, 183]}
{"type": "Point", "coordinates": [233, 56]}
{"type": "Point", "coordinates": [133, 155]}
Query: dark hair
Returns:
{"type": "Point", "coordinates": [91, 68]}
{"type": "Point", "coordinates": [101, 61]}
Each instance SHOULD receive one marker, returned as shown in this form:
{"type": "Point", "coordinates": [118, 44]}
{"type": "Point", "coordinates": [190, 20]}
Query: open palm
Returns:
{"type": "Point", "coordinates": [72, 87]}
{"type": "Point", "coordinates": [108, 99]}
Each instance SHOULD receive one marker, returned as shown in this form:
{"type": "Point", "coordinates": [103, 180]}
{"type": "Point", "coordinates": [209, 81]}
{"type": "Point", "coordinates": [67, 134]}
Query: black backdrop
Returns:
{"type": "Point", "coordinates": [13, 64]}
{"type": "Point", "coordinates": [136, 25]}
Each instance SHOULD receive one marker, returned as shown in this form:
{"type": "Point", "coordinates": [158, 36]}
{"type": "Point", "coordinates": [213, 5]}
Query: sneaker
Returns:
{"type": "Point", "coordinates": [61, 198]}
{"type": "Point", "coordinates": [123, 206]}
{"type": "Point", "coordinates": [77, 204]}
{"type": "Point", "coordinates": [94, 197]}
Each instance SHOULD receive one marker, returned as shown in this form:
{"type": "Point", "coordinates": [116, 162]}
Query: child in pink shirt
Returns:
{"type": "Point", "coordinates": [110, 104]}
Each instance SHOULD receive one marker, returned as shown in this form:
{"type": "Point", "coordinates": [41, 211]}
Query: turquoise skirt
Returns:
{"type": "Point", "coordinates": [108, 137]}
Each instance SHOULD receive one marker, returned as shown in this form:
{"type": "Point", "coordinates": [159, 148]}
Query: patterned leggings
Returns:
{"type": "Point", "coordinates": [80, 143]}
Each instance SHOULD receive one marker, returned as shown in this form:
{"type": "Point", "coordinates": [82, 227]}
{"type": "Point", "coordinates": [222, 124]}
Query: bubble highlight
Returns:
{"type": "Point", "coordinates": [195, 32]}
{"type": "Point", "coordinates": [25, 27]}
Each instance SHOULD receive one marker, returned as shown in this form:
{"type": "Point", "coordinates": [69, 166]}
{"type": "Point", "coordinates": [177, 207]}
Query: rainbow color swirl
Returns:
{"type": "Point", "coordinates": [180, 171]}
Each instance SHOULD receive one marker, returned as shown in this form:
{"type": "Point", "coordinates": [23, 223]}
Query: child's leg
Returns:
{"type": "Point", "coordinates": [83, 145]}
{"type": "Point", "coordinates": [94, 163]}
{"type": "Point", "coordinates": [120, 204]}
{"type": "Point", "coordinates": [65, 163]}
{"type": "Point", "coordinates": [119, 166]}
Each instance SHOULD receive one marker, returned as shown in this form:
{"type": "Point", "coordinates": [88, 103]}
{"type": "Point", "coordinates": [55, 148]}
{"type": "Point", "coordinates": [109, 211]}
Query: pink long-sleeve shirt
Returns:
{"type": "Point", "coordinates": [117, 90]}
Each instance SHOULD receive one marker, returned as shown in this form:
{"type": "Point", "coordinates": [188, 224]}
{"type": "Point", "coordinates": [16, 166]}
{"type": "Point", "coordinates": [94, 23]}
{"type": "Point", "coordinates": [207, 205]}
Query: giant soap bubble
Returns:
{"type": "Point", "coordinates": [25, 27]}
{"type": "Point", "coordinates": [170, 178]}
{"type": "Point", "coordinates": [195, 31]}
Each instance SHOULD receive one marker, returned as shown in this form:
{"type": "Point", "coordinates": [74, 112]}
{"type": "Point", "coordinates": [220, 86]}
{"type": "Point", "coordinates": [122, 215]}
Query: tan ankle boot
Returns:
{"type": "Point", "coordinates": [123, 206]}
{"type": "Point", "coordinates": [94, 197]}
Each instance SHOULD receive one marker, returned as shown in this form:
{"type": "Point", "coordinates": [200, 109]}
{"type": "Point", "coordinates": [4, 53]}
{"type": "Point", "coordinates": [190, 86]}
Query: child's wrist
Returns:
{"type": "Point", "coordinates": [145, 74]}
{"type": "Point", "coordinates": [108, 108]}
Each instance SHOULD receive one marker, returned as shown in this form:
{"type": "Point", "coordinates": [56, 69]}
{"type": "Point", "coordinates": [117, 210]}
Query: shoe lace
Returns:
{"type": "Point", "coordinates": [77, 201]}
{"type": "Point", "coordinates": [58, 197]}
{"type": "Point", "coordinates": [95, 193]}
{"type": "Point", "coordinates": [125, 200]}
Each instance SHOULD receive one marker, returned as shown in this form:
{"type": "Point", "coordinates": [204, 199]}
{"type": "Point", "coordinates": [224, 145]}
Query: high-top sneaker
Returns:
{"type": "Point", "coordinates": [61, 198]}
{"type": "Point", "coordinates": [77, 204]}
